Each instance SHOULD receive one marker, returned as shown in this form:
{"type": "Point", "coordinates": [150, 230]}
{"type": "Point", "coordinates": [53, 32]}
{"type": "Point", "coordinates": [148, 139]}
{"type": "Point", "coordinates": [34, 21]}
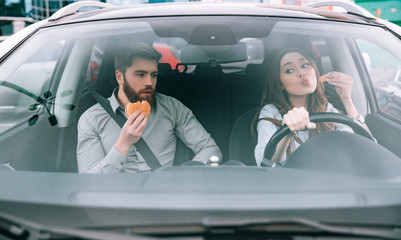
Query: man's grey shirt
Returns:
{"type": "Point", "coordinates": [169, 119]}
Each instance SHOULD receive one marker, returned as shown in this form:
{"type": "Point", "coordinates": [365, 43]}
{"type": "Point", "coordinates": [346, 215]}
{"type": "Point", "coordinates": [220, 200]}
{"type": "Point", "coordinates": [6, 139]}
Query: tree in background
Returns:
{"type": "Point", "coordinates": [12, 9]}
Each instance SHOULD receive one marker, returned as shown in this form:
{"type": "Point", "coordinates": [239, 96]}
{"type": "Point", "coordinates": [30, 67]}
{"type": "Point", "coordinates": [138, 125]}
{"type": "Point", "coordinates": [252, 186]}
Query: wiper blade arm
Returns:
{"type": "Point", "coordinates": [267, 224]}
{"type": "Point", "coordinates": [22, 229]}
{"type": "Point", "coordinates": [22, 90]}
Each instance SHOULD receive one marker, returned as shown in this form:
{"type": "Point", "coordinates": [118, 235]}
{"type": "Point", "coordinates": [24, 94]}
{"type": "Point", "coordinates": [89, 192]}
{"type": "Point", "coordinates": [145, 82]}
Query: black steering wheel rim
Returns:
{"type": "Point", "coordinates": [356, 126]}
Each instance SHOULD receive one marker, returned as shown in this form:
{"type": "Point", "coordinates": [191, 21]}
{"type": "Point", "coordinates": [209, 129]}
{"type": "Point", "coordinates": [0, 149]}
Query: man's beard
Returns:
{"type": "Point", "coordinates": [136, 96]}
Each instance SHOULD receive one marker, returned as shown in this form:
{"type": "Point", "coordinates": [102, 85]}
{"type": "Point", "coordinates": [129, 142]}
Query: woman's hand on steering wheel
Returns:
{"type": "Point", "coordinates": [297, 119]}
{"type": "Point", "coordinates": [317, 117]}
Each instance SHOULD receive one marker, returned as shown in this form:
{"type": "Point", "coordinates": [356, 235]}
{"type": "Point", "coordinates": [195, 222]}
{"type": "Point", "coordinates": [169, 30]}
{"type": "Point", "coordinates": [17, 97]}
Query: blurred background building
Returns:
{"type": "Point", "coordinates": [16, 14]}
{"type": "Point", "coordinates": [389, 10]}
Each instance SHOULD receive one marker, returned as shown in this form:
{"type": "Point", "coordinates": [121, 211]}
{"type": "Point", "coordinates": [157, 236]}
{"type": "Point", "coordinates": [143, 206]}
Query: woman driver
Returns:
{"type": "Point", "coordinates": [292, 91]}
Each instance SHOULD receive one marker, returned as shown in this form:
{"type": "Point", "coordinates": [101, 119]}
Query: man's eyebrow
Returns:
{"type": "Point", "coordinates": [140, 71]}
{"type": "Point", "coordinates": [144, 71]}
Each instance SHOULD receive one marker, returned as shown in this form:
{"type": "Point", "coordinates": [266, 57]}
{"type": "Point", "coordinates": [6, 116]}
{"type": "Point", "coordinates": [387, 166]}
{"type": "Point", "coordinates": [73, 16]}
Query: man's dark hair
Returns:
{"type": "Point", "coordinates": [126, 55]}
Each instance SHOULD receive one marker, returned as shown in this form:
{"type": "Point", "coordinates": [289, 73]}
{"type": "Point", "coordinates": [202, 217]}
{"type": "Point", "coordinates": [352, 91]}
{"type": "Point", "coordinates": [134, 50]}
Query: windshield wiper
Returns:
{"type": "Point", "coordinates": [48, 98]}
{"type": "Point", "coordinates": [297, 224]}
{"type": "Point", "coordinates": [16, 228]}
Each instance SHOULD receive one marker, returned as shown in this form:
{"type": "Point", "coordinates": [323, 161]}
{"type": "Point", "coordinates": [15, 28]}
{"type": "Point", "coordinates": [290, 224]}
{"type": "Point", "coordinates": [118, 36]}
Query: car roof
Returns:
{"type": "Point", "coordinates": [210, 9]}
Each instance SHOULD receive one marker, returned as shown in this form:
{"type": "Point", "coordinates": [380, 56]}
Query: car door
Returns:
{"type": "Point", "coordinates": [383, 68]}
{"type": "Point", "coordinates": [376, 87]}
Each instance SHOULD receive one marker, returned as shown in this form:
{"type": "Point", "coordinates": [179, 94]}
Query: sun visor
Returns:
{"type": "Point", "coordinates": [195, 54]}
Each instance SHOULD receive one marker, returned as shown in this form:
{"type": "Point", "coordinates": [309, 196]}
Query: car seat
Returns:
{"type": "Point", "coordinates": [242, 142]}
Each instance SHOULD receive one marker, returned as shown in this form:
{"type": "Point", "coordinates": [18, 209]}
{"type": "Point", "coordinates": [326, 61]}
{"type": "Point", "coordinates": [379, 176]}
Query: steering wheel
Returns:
{"type": "Point", "coordinates": [356, 126]}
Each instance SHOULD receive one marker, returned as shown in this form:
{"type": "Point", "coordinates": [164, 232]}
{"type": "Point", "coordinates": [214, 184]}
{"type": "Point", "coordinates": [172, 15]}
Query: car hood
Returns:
{"type": "Point", "coordinates": [182, 194]}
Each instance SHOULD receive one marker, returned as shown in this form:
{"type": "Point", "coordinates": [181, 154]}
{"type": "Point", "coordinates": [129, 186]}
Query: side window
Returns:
{"type": "Point", "coordinates": [21, 86]}
{"type": "Point", "coordinates": [385, 71]}
{"type": "Point", "coordinates": [96, 60]}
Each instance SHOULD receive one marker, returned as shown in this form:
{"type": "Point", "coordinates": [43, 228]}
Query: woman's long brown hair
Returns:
{"type": "Point", "coordinates": [273, 93]}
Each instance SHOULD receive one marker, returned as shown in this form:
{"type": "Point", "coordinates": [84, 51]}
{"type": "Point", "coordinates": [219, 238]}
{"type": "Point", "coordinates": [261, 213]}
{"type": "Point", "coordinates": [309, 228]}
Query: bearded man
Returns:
{"type": "Point", "coordinates": [104, 147]}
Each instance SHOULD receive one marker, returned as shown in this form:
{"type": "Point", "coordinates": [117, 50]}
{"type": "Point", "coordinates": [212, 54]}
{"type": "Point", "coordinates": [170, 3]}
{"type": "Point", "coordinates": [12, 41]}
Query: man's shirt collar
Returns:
{"type": "Point", "coordinates": [115, 105]}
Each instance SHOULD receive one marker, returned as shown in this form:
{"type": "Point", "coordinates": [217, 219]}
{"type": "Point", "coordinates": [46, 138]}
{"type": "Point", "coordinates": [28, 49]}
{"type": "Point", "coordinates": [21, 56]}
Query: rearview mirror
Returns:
{"type": "Point", "coordinates": [195, 54]}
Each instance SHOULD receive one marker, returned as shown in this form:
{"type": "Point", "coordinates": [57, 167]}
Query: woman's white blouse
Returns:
{"type": "Point", "coordinates": [266, 129]}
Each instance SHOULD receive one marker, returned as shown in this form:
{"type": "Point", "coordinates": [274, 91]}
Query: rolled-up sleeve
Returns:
{"type": "Point", "coordinates": [339, 126]}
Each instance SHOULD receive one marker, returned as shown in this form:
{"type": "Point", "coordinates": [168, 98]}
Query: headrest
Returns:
{"type": "Point", "coordinates": [164, 68]}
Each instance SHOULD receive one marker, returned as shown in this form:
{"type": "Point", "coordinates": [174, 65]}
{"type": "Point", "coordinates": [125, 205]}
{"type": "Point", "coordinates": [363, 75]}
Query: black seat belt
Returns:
{"type": "Point", "coordinates": [141, 145]}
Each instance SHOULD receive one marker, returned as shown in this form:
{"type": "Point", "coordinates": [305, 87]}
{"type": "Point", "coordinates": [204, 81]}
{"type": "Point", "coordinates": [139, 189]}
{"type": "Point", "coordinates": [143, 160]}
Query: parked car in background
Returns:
{"type": "Point", "coordinates": [341, 185]}
{"type": "Point", "coordinates": [169, 54]}
{"type": "Point", "coordinates": [389, 93]}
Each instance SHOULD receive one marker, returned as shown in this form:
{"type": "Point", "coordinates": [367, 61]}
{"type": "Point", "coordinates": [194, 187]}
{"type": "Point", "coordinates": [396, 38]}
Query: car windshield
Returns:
{"type": "Point", "coordinates": [217, 67]}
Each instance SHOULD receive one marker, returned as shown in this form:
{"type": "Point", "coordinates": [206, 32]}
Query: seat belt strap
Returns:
{"type": "Point", "coordinates": [141, 146]}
